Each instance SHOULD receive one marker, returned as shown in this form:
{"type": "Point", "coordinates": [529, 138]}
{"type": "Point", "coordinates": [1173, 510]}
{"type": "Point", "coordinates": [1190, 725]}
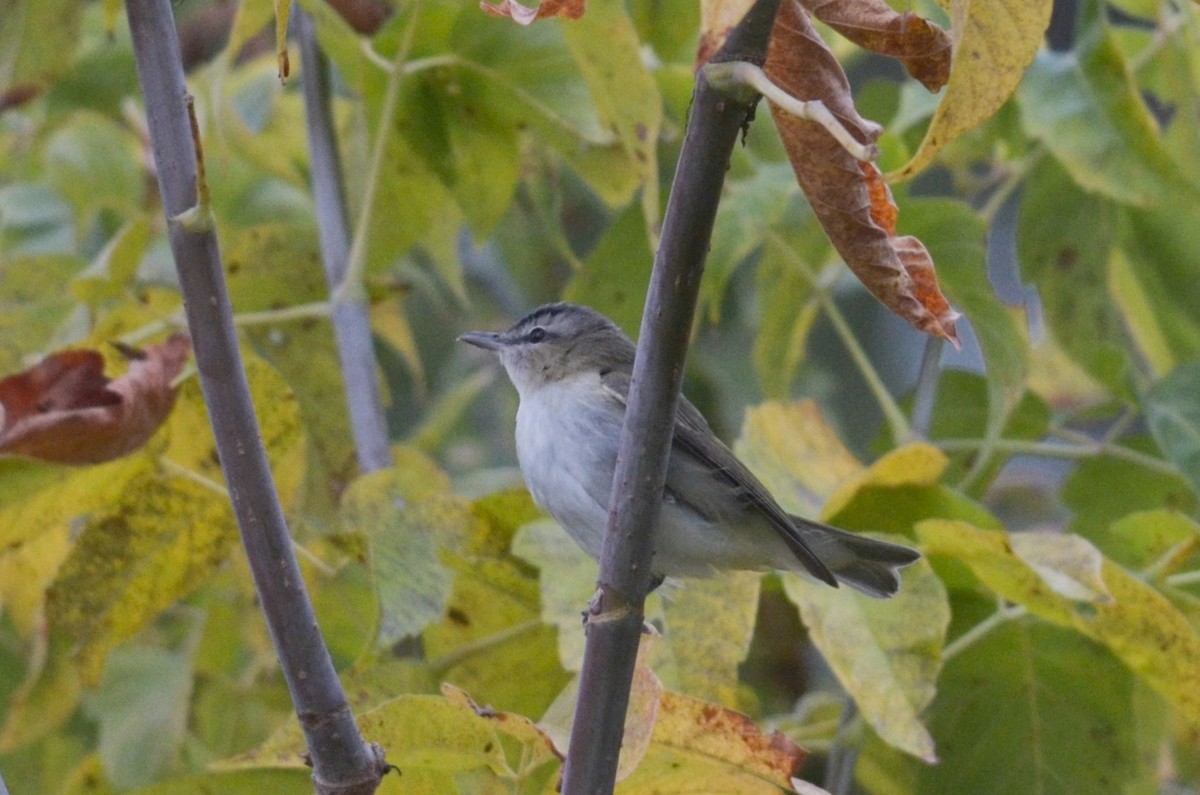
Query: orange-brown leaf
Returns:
{"type": "Point", "coordinates": [848, 197]}
{"type": "Point", "coordinates": [64, 410]}
{"type": "Point", "coordinates": [524, 15]}
{"type": "Point", "coordinates": [921, 46]}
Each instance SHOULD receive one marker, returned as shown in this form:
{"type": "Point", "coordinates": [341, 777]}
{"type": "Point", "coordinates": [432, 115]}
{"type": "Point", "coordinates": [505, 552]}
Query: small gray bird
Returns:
{"type": "Point", "coordinates": [571, 366]}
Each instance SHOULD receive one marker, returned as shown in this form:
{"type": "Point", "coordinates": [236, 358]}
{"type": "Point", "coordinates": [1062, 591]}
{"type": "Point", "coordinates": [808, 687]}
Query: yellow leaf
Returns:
{"type": "Point", "coordinates": [795, 453]}
{"type": "Point", "coordinates": [568, 580]}
{"type": "Point", "coordinates": [168, 529]}
{"type": "Point", "coordinates": [994, 41]}
{"type": "Point", "coordinates": [605, 44]}
{"type": "Point", "coordinates": [988, 554]}
{"type": "Point", "coordinates": [701, 747]}
{"type": "Point", "coordinates": [912, 465]}
{"type": "Point", "coordinates": [1138, 624]}
{"type": "Point", "coordinates": [26, 571]}
{"type": "Point", "coordinates": [707, 626]}
{"type": "Point", "coordinates": [886, 653]}
{"type": "Point", "coordinates": [1070, 565]}
{"type": "Point", "coordinates": [43, 703]}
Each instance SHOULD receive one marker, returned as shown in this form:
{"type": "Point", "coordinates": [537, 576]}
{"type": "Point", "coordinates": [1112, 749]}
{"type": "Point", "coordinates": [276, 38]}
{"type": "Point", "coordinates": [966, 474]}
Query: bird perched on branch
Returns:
{"type": "Point", "coordinates": [572, 366]}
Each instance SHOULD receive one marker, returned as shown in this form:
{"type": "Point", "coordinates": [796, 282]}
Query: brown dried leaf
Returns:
{"type": "Point", "coordinates": [717, 19]}
{"type": "Point", "coordinates": [849, 197]}
{"type": "Point", "coordinates": [64, 410]}
{"type": "Point", "coordinates": [523, 15]}
{"type": "Point", "coordinates": [921, 46]}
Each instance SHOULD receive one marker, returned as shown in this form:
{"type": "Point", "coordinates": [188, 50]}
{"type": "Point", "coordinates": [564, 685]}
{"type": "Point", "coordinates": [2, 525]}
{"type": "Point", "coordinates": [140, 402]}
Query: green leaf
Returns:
{"type": "Point", "coordinates": [749, 207]}
{"type": "Point", "coordinates": [954, 235]}
{"type": "Point", "coordinates": [887, 654]}
{"type": "Point", "coordinates": [1085, 108]}
{"type": "Point", "coordinates": [141, 707]}
{"type": "Point", "coordinates": [1173, 414]}
{"type": "Point", "coordinates": [617, 272]}
{"type": "Point", "coordinates": [707, 625]}
{"type": "Point", "coordinates": [94, 164]}
{"type": "Point", "coordinates": [113, 269]}
{"type": "Point", "coordinates": [1146, 539]}
{"type": "Point", "coordinates": [568, 581]}
{"type": "Point", "coordinates": [32, 304]}
{"type": "Point", "coordinates": [605, 45]}
{"type": "Point", "coordinates": [407, 538]}
{"type": "Point", "coordinates": [1064, 237]}
{"type": "Point", "coordinates": [447, 118]}
{"type": "Point", "coordinates": [273, 267]}
{"type": "Point", "coordinates": [38, 39]}
{"type": "Point", "coordinates": [1102, 489]}
{"type": "Point", "coordinates": [788, 312]}
{"type": "Point", "coordinates": [1162, 255]}
{"type": "Point", "coordinates": [1010, 716]}
{"type": "Point", "coordinates": [37, 221]}
{"type": "Point", "coordinates": [961, 411]}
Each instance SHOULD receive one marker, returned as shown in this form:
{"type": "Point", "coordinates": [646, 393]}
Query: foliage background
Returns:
{"type": "Point", "coordinates": [525, 165]}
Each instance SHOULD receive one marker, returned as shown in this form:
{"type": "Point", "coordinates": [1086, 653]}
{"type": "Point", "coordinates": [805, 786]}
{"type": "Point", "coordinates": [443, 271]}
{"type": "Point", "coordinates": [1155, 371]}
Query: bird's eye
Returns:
{"type": "Point", "coordinates": [537, 334]}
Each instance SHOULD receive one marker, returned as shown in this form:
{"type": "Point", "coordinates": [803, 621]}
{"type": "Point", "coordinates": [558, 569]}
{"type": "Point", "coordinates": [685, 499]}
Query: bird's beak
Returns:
{"type": "Point", "coordinates": [488, 340]}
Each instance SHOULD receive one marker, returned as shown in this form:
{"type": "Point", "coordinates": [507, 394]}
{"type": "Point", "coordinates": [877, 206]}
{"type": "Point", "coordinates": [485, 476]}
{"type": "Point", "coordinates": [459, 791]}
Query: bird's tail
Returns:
{"type": "Point", "coordinates": [867, 564]}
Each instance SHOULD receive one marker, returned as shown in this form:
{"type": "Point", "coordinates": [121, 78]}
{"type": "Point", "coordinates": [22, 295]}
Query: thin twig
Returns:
{"type": "Point", "coordinates": [928, 377]}
{"type": "Point", "coordinates": [352, 285]}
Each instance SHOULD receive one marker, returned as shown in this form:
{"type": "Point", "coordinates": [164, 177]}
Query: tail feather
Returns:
{"type": "Point", "coordinates": [867, 564]}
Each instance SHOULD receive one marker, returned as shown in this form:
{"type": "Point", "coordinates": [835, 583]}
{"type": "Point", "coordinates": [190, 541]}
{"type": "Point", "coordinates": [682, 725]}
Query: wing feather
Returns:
{"type": "Point", "coordinates": [696, 443]}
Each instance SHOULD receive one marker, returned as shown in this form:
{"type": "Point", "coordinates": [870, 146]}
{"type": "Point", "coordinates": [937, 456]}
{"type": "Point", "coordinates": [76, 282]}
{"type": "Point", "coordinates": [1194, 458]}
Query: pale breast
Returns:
{"type": "Point", "coordinates": [567, 437]}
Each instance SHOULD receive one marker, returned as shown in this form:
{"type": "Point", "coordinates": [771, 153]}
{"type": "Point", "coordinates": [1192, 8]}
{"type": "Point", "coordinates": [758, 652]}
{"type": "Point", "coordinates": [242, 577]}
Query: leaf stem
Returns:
{"type": "Point", "coordinates": [744, 80]}
{"type": "Point", "coordinates": [318, 309]}
{"type": "Point", "coordinates": [979, 631]}
{"type": "Point", "coordinates": [441, 665]}
{"type": "Point", "coordinates": [1184, 577]}
{"type": "Point", "coordinates": [1055, 450]}
{"type": "Point", "coordinates": [179, 470]}
{"type": "Point", "coordinates": [901, 431]}
{"type": "Point", "coordinates": [352, 287]}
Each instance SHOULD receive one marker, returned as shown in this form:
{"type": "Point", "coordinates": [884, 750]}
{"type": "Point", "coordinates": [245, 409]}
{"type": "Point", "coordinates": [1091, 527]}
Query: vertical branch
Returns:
{"type": "Point", "coordinates": [615, 626]}
{"type": "Point", "coordinates": [342, 761]}
{"type": "Point", "coordinates": [927, 384]}
{"type": "Point", "coordinates": [348, 311]}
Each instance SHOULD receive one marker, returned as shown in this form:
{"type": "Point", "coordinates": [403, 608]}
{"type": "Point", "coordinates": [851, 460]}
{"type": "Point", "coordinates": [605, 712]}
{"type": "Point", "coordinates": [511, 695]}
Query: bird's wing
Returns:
{"type": "Point", "coordinates": [698, 448]}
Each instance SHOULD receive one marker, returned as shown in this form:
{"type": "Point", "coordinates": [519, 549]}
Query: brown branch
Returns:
{"type": "Point", "coordinates": [616, 624]}
{"type": "Point", "coordinates": [342, 761]}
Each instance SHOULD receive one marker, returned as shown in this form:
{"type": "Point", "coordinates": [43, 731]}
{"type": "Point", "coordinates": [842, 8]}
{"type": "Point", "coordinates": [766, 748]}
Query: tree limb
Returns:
{"type": "Point", "coordinates": [615, 627]}
{"type": "Point", "coordinates": [342, 761]}
{"type": "Point", "coordinates": [348, 312]}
